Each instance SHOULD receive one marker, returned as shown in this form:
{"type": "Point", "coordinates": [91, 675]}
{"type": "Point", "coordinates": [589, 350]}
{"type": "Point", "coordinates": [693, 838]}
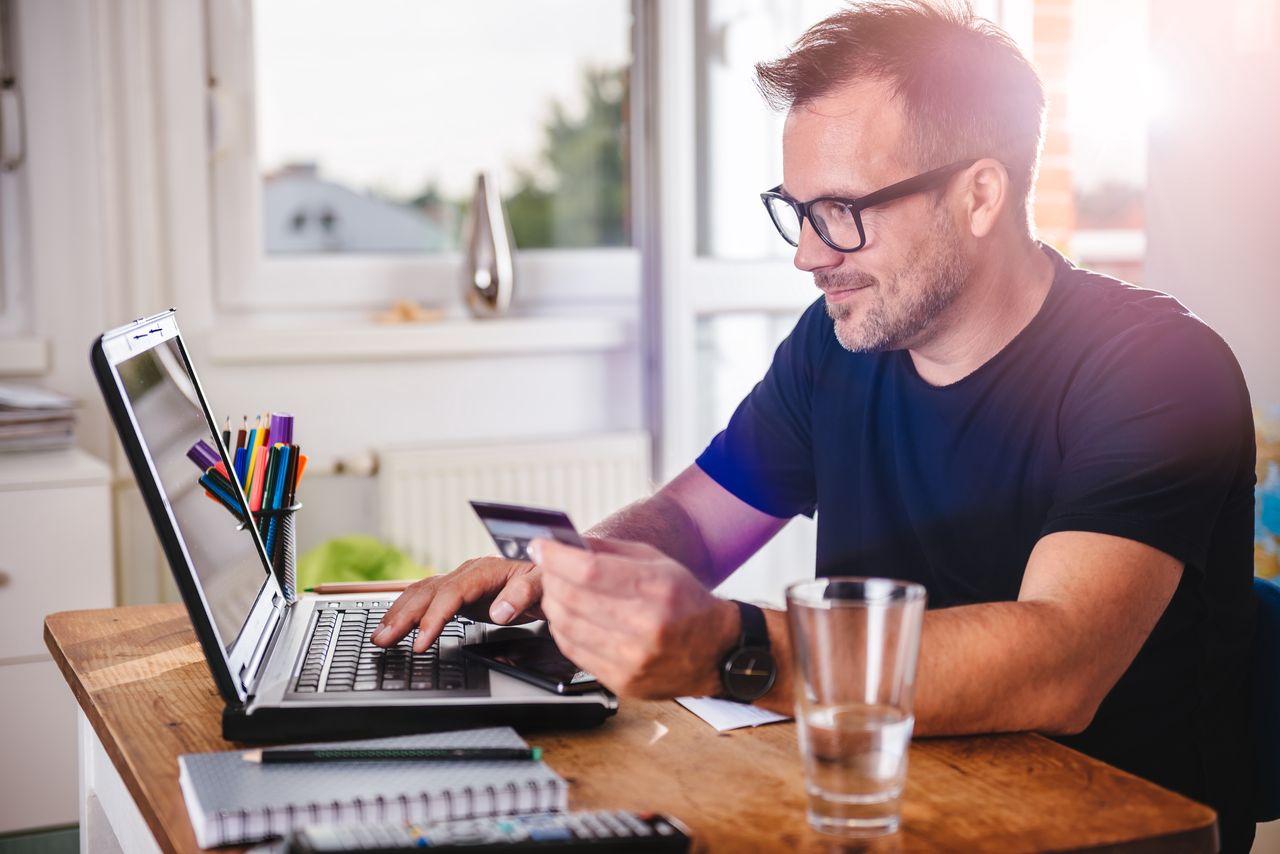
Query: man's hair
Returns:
{"type": "Point", "coordinates": [961, 82]}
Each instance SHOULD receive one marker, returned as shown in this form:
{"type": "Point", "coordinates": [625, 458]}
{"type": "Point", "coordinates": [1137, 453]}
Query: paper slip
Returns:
{"type": "Point", "coordinates": [725, 715]}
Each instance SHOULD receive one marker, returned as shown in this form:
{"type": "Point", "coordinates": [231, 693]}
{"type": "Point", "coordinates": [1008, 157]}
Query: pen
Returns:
{"type": "Point", "coordinates": [277, 496]}
{"type": "Point", "coordinates": [258, 476]}
{"type": "Point", "coordinates": [393, 754]}
{"type": "Point", "coordinates": [291, 478]}
{"type": "Point", "coordinates": [216, 486]}
{"type": "Point", "coordinates": [282, 427]}
{"type": "Point", "coordinates": [203, 455]}
{"type": "Point", "coordinates": [268, 483]}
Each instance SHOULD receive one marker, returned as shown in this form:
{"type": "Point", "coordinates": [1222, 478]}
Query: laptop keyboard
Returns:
{"type": "Point", "coordinates": [341, 657]}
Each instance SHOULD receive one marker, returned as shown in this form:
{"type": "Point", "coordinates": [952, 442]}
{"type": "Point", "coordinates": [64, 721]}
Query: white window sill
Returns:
{"type": "Point", "coordinates": [443, 339]}
{"type": "Point", "coordinates": [23, 356]}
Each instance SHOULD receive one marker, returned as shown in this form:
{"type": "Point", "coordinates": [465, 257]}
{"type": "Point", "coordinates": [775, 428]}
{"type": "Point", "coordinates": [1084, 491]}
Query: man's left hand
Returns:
{"type": "Point", "coordinates": [635, 618]}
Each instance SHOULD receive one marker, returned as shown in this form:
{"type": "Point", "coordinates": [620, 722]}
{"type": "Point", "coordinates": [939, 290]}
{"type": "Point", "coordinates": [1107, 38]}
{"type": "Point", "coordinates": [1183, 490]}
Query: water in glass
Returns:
{"type": "Point", "coordinates": [855, 767]}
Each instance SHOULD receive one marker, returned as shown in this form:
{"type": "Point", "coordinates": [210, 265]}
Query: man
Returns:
{"type": "Point", "coordinates": [1064, 461]}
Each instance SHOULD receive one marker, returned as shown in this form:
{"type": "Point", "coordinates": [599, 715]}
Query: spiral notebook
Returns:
{"type": "Point", "coordinates": [232, 800]}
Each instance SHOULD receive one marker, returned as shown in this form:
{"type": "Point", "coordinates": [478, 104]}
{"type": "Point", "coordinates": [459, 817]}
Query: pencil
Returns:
{"type": "Point", "coordinates": [393, 754]}
{"type": "Point", "coordinates": [359, 587]}
{"type": "Point", "coordinates": [255, 442]}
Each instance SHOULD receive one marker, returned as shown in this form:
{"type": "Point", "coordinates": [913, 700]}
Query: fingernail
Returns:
{"type": "Point", "coordinates": [501, 612]}
{"type": "Point", "coordinates": [535, 551]}
{"type": "Point", "coordinates": [379, 633]}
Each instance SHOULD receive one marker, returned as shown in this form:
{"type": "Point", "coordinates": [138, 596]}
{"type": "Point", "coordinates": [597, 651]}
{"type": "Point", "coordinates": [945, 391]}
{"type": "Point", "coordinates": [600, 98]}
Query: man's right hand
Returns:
{"type": "Point", "coordinates": [489, 588]}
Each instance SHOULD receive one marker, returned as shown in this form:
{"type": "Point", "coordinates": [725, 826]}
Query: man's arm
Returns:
{"type": "Point", "coordinates": [692, 519]}
{"type": "Point", "coordinates": [696, 522]}
{"type": "Point", "coordinates": [1043, 663]}
{"type": "Point", "coordinates": [646, 627]}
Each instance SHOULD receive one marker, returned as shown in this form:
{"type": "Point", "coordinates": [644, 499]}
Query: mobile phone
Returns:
{"type": "Point", "coordinates": [536, 660]}
{"type": "Point", "coordinates": [512, 526]}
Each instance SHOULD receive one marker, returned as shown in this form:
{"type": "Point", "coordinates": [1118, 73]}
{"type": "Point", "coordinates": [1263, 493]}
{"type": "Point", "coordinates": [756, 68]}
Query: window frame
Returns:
{"type": "Point", "coordinates": [15, 268]}
{"type": "Point", "coordinates": [246, 279]}
{"type": "Point", "coordinates": [15, 312]}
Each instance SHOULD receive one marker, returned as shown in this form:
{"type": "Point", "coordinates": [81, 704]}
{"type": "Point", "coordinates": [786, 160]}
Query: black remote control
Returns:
{"type": "Point", "coordinates": [595, 831]}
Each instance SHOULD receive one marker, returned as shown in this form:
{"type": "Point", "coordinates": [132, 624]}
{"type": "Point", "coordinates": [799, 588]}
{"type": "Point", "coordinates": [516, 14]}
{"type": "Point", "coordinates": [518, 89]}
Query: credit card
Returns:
{"type": "Point", "coordinates": [512, 526]}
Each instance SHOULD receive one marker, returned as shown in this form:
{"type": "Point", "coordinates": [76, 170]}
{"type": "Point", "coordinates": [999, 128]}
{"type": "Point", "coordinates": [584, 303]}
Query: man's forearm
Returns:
{"type": "Point", "coordinates": [662, 523]}
{"type": "Point", "coordinates": [983, 668]}
{"type": "Point", "coordinates": [1003, 667]}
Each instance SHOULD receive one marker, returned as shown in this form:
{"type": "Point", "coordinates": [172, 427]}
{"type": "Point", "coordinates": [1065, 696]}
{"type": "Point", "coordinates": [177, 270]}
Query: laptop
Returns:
{"type": "Point", "coordinates": [305, 670]}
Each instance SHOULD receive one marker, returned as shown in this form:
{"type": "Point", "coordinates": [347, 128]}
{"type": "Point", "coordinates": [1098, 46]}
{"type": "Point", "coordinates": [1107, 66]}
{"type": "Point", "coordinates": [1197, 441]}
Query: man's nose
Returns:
{"type": "Point", "coordinates": [811, 253]}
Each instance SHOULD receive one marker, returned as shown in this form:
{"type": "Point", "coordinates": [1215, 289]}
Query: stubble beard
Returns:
{"type": "Point", "coordinates": [906, 305]}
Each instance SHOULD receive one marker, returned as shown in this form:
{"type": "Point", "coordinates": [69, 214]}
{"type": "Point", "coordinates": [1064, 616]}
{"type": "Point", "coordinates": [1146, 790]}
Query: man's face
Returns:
{"type": "Point", "coordinates": [893, 293]}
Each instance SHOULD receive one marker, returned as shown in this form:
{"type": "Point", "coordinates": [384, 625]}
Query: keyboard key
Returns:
{"type": "Point", "coordinates": [592, 821]}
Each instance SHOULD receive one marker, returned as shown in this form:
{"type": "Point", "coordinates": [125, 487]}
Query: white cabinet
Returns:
{"type": "Point", "coordinates": [55, 555]}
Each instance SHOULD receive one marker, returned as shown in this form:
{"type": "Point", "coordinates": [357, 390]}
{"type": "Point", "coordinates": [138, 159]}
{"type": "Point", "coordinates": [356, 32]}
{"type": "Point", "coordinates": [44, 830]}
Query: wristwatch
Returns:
{"type": "Point", "coordinates": [748, 671]}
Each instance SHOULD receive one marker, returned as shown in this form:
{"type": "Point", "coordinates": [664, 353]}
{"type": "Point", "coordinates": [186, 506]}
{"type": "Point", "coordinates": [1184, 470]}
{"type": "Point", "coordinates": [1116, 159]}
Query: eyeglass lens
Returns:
{"type": "Point", "coordinates": [786, 219]}
{"type": "Point", "coordinates": [834, 221]}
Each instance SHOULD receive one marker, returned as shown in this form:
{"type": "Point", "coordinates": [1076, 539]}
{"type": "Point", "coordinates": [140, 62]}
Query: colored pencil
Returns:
{"type": "Point", "coordinates": [255, 442]}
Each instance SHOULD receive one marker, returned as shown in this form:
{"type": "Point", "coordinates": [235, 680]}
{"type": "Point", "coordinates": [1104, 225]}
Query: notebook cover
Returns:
{"type": "Point", "coordinates": [232, 800]}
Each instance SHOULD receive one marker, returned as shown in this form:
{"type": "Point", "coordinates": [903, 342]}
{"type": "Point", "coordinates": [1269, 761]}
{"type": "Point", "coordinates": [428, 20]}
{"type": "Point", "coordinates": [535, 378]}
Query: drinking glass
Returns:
{"type": "Point", "coordinates": [854, 645]}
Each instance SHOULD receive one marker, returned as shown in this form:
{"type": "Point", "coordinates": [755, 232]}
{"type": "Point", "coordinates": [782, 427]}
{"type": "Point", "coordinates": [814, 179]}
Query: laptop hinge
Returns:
{"type": "Point", "coordinates": [252, 669]}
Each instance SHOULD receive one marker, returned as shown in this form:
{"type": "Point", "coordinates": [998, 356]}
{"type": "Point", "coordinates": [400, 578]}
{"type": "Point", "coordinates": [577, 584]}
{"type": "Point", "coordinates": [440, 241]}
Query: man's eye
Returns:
{"type": "Point", "coordinates": [841, 212]}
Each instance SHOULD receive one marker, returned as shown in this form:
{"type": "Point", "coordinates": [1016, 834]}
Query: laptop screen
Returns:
{"type": "Point", "coordinates": [225, 556]}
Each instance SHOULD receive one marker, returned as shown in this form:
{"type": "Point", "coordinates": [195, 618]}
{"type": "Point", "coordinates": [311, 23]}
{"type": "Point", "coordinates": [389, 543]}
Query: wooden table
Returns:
{"type": "Point", "coordinates": [147, 696]}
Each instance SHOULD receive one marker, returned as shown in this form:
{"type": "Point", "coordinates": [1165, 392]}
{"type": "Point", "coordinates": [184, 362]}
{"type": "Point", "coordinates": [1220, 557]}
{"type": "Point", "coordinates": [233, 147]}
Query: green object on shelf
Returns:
{"type": "Point", "coordinates": [356, 557]}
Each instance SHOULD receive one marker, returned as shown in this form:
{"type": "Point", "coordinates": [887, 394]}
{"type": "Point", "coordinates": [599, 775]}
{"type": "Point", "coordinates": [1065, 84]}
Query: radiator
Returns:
{"type": "Point", "coordinates": [423, 492]}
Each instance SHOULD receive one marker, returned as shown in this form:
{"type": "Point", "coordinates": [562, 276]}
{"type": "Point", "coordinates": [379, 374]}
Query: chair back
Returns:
{"type": "Point", "coordinates": [1266, 701]}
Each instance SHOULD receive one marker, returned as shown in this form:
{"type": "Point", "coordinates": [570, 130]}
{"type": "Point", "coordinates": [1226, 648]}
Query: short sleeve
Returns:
{"type": "Point", "coordinates": [765, 454]}
{"type": "Point", "coordinates": [1155, 433]}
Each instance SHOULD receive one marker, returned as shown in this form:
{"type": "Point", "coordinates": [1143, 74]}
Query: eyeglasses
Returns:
{"type": "Point", "coordinates": [839, 221]}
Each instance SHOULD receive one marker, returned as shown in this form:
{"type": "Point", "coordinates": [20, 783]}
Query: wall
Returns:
{"type": "Point", "coordinates": [1212, 189]}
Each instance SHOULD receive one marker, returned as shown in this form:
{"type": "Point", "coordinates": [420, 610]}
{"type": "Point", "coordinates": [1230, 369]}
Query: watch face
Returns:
{"type": "Point", "coordinates": [749, 673]}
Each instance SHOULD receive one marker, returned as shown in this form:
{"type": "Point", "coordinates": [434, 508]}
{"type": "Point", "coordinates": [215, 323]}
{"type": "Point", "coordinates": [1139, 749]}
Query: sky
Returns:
{"type": "Point", "coordinates": [388, 94]}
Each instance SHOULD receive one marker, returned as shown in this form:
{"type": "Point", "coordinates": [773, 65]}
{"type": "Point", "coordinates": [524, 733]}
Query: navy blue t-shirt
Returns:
{"type": "Point", "coordinates": [1114, 411]}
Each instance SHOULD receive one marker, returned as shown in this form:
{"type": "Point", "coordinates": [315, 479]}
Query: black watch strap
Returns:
{"type": "Point", "coordinates": [755, 632]}
{"type": "Point", "coordinates": [748, 670]}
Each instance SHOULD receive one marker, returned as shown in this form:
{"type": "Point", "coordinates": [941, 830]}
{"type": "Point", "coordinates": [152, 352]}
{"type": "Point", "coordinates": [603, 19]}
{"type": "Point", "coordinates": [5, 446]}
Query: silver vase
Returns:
{"type": "Point", "coordinates": [490, 274]}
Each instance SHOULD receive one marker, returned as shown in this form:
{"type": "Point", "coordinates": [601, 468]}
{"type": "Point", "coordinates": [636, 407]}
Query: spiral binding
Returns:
{"type": "Point", "coordinates": [234, 826]}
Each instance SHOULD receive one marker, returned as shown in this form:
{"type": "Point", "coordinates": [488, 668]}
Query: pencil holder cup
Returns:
{"type": "Point", "coordinates": [279, 534]}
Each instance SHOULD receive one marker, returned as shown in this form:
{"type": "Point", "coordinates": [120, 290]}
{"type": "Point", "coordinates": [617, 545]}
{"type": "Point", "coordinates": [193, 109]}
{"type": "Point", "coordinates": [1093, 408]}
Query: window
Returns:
{"type": "Point", "coordinates": [13, 274]}
{"type": "Point", "coordinates": [1113, 92]}
{"type": "Point", "coordinates": [347, 140]}
{"type": "Point", "coordinates": [726, 291]}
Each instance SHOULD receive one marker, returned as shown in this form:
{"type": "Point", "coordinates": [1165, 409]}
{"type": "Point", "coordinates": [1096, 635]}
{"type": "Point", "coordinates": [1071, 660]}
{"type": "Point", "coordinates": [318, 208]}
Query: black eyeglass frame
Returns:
{"type": "Point", "coordinates": [924, 181]}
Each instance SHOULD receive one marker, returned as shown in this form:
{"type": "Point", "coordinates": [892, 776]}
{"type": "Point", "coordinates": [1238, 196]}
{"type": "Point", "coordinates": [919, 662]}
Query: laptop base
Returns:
{"type": "Point", "coordinates": [339, 722]}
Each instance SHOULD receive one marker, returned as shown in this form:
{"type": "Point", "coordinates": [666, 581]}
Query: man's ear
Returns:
{"type": "Point", "coordinates": [986, 195]}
